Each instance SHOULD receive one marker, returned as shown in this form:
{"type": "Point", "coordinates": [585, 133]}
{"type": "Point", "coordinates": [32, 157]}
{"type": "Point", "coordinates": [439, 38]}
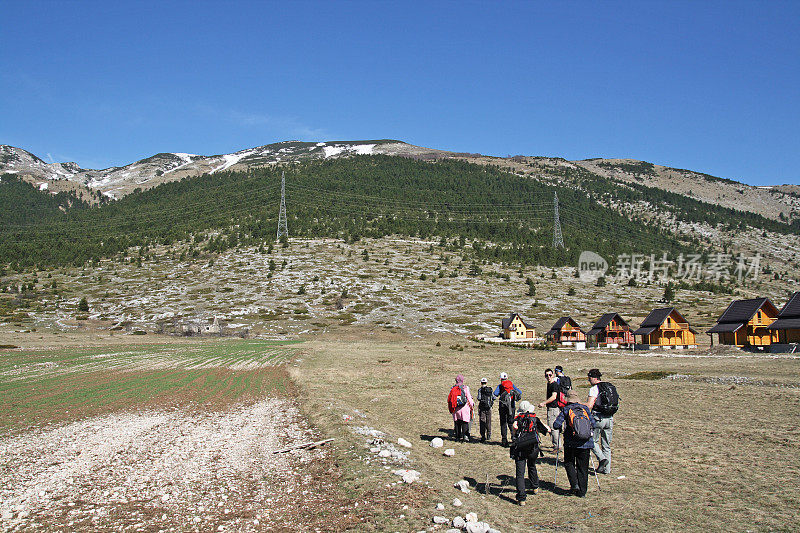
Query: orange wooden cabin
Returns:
{"type": "Point", "coordinates": [611, 330]}
{"type": "Point", "coordinates": [787, 326]}
{"type": "Point", "coordinates": [666, 327]}
{"type": "Point", "coordinates": [746, 323]}
{"type": "Point", "coordinates": [566, 331]}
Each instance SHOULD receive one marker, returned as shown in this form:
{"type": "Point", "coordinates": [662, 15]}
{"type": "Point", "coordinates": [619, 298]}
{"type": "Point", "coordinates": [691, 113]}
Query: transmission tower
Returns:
{"type": "Point", "coordinates": [282, 227]}
{"type": "Point", "coordinates": [558, 239]}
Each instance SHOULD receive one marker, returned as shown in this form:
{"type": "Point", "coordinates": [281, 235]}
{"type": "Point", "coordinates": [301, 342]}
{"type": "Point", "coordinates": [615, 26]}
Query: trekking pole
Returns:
{"type": "Point", "coordinates": [595, 470]}
{"type": "Point", "coordinates": [558, 449]}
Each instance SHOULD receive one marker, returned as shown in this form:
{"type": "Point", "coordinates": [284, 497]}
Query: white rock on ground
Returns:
{"type": "Point", "coordinates": [459, 522]}
{"type": "Point", "coordinates": [462, 485]}
{"type": "Point", "coordinates": [437, 442]}
{"type": "Point", "coordinates": [449, 452]}
{"type": "Point", "coordinates": [478, 527]}
{"type": "Point", "coordinates": [440, 520]}
{"type": "Point", "coordinates": [384, 453]}
{"type": "Point", "coordinates": [403, 442]}
{"type": "Point", "coordinates": [471, 517]}
{"type": "Point", "coordinates": [440, 507]}
{"type": "Point", "coordinates": [457, 502]}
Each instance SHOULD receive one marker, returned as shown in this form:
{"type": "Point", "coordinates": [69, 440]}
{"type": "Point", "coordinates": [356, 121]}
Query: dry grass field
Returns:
{"type": "Point", "coordinates": [715, 449]}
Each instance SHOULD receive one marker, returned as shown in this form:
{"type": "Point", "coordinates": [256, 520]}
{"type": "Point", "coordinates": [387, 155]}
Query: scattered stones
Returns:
{"type": "Point", "coordinates": [440, 507]}
{"type": "Point", "coordinates": [620, 477]}
{"type": "Point", "coordinates": [184, 470]}
{"type": "Point", "coordinates": [471, 517]}
{"type": "Point", "coordinates": [462, 485]}
{"type": "Point", "coordinates": [440, 520]}
{"type": "Point", "coordinates": [436, 442]}
{"type": "Point", "coordinates": [384, 453]}
{"type": "Point", "coordinates": [457, 502]}
{"type": "Point", "coordinates": [403, 442]}
{"type": "Point", "coordinates": [449, 452]}
{"type": "Point", "coordinates": [459, 522]}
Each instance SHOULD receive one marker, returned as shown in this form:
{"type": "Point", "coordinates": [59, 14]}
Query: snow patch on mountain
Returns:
{"type": "Point", "coordinates": [360, 149]}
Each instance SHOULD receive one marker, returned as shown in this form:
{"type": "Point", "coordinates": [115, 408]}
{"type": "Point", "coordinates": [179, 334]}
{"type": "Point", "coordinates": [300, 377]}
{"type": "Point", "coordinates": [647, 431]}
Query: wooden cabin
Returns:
{"type": "Point", "coordinates": [515, 328]}
{"type": "Point", "coordinates": [566, 331]}
{"type": "Point", "coordinates": [666, 327]}
{"type": "Point", "coordinates": [787, 325]}
{"type": "Point", "coordinates": [746, 323]}
{"type": "Point", "coordinates": [611, 331]}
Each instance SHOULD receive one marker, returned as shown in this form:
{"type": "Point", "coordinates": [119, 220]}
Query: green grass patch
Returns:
{"type": "Point", "coordinates": [650, 375]}
{"type": "Point", "coordinates": [42, 387]}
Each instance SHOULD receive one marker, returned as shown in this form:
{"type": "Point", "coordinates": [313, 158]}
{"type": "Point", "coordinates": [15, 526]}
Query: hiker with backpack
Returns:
{"type": "Point", "coordinates": [604, 402]}
{"type": "Point", "coordinates": [525, 448]}
{"type": "Point", "coordinates": [563, 379]}
{"type": "Point", "coordinates": [460, 403]}
{"type": "Point", "coordinates": [552, 404]}
{"type": "Point", "coordinates": [508, 395]}
{"type": "Point", "coordinates": [485, 401]}
{"type": "Point", "coordinates": [577, 423]}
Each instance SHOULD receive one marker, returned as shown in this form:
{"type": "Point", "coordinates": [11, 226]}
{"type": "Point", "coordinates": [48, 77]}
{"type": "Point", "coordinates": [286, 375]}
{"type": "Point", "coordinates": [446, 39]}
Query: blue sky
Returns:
{"type": "Point", "coordinates": [709, 86]}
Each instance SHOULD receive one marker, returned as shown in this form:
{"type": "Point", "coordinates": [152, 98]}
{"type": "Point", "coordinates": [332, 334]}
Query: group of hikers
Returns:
{"type": "Point", "coordinates": [575, 427]}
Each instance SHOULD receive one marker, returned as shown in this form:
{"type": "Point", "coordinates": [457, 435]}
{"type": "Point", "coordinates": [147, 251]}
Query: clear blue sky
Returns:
{"type": "Point", "coordinates": [709, 86]}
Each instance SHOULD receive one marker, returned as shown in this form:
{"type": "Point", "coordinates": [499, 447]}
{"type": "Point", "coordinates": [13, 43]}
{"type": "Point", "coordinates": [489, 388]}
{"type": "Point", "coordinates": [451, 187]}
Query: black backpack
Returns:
{"type": "Point", "coordinates": [565, 383]}
{"type": "Point", "coordinates": [486, 398]}
{"type": "Point", "coordinates": [607, 402]}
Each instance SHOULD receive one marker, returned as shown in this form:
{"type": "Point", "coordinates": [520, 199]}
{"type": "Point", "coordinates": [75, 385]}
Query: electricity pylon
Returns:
{"type": "Point", "coordinates": [558, 239]}
{"type": "Point", "coordinates": [282, 227]}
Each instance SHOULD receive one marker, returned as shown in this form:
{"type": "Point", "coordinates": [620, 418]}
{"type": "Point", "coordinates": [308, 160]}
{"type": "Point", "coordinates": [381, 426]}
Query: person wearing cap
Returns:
{"type": "Point", "coordinates": [604, 420]}
{"type": "Point", "coordinates": [576, 449]}
{"type": "Point", "coordinates": [562, 379]}
{"type": "Point", "coordinates": [485, 401]}
{"type": "Point", "coordinates": [463, 415]}
{"type": "Point", "coordinates": [551, 403]}
{"type": "Point", "coordinates": [508, 394]}
{"type": "Point", "coordinates": [525, 448]}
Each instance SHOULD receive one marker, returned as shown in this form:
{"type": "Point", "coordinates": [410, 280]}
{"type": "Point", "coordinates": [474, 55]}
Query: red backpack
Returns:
{"type": "Point", "coordinates": [456, 399]}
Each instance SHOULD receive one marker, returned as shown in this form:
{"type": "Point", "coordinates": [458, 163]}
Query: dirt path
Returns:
{"type": "Point", "coordinates": [161, 470]}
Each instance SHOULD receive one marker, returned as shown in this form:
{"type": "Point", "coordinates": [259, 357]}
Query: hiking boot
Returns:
{"type": "Point", "coordinates": [536, 491]}
{"type": "Point", "coordinates": [602, 466]}
{"type": "Point", "coordinates": [520, 502]}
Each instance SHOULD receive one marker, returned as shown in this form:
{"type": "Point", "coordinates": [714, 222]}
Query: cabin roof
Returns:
{"type": "Point", "coordinates": [560, 324]}
{"type": "Point", "coordinates": [738, 313]}
{"type": "Point", "coordinates": [510, 318]}
{"type": "Point", "coordinates": [656, 318]}
{"type": "Point", "coordinates": [604, 321]}
{"type": "Point", "coordinates": [785, 323]}
{"type": "Point", "coordinates": [792, 307]}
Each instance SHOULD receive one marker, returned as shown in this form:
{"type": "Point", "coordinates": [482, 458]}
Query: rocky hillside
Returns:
{"type": "Point", "coordinates": [780, 202]}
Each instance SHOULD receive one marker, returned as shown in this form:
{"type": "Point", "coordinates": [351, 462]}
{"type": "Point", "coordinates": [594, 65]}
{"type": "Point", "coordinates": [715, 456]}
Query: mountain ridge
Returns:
{"type": "Point", "coordinates": [779, 202]}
